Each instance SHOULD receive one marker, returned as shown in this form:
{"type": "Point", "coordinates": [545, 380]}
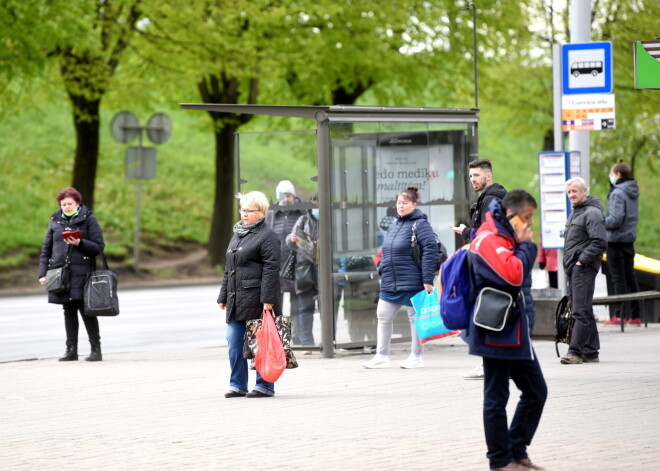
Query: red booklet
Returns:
{"type": "Point", "coordinates": [74, 234]}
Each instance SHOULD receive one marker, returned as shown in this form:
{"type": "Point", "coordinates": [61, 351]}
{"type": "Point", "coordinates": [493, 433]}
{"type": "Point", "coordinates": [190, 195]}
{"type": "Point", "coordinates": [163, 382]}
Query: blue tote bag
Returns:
{"type": "Point", "coordinates": [427, 317]}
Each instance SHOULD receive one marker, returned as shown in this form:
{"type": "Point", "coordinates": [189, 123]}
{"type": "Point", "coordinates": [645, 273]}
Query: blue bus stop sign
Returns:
{"type": "Point", "coordinates": [586, 68]}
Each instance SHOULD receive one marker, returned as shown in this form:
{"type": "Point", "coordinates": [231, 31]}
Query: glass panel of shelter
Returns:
{"type": "Point", "coordinates": [371, 162]}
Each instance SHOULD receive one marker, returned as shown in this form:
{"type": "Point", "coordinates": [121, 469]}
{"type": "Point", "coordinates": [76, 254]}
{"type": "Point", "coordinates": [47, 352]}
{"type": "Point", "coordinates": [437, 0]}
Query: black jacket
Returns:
{"type": "Point", "coordinates": [281, 221]}
{"type": "Point", "coordinates": [83, 257]}
{"type": "Point", "coordinates": [585, 238]}
{"type": "Point", "coordinates": [480, 207]}
{"type": "Point", "coordinates": [252, 274]}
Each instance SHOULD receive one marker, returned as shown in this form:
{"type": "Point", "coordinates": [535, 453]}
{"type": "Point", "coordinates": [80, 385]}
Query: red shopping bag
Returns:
{"type": "Point", "coordinates": [270, 359]}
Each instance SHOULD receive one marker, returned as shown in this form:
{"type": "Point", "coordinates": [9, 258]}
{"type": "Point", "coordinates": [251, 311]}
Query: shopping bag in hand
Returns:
{"type": "Point", "coordinates": [270, 359]}
{"type": "Point", "coordinates": [427, 317]}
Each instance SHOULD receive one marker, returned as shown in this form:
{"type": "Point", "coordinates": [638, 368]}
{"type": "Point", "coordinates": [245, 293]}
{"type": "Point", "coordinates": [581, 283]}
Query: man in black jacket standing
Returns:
{"type": "Point", "coordinates": [585, 240]}
{"type": "Point", "coordinates": [481, 178]}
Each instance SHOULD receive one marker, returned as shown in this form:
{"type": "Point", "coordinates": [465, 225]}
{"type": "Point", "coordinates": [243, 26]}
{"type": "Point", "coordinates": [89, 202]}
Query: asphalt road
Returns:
{"type": "Point", "coordinates": [149, 319]}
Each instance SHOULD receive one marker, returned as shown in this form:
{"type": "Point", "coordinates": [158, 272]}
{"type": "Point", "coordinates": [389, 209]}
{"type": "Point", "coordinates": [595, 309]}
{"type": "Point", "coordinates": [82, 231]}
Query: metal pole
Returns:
{"type": "Point", "coordinates": [580, 25]}
{"type": "Point", "coordinates": [325, 238]}
{"type": "Point", "coordinates": [559, 141]}
{"type": "Point", "coordinates": [138, 199]}
{"type": "Point", "coordinates": [474, 51]}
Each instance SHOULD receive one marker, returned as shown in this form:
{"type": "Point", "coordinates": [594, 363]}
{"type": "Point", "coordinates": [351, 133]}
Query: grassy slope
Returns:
{"type": "Point", "coordinates": [36, 158]}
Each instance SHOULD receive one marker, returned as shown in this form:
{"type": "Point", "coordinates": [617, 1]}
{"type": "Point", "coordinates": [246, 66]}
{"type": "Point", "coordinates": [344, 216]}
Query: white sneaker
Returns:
{"type": "Point", "coordinates": [413, 362]}
{"type": "Point", "coordinates": [377, 362]}
{"type": "Point", "coordinates": [476, 373]}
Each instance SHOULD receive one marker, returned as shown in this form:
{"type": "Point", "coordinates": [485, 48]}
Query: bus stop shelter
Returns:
{"type": "Point", "coordinates": [364, 156]}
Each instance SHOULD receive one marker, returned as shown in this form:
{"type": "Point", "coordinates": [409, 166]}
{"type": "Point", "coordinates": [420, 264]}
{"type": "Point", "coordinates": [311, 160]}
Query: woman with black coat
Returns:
{"type": "Point", "coordinates": [82, 252]}
{"type": "Point", "coordinates": [251, 283]}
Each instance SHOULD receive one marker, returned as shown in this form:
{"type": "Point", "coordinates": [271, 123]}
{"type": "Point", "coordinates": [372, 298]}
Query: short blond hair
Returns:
{"type": "Point", "coordinates": [256, 198]}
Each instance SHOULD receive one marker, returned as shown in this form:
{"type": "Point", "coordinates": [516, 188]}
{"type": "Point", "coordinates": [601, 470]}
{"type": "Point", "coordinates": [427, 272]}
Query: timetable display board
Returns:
{"type": "Point", "coordinates": [554, 169]}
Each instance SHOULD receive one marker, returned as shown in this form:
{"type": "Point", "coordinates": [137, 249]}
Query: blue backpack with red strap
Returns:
{"type": "Point", "coordinates": [457, 297]}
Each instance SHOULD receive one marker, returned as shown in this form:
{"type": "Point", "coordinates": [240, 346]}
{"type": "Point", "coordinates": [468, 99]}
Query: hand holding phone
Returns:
{"type": "Point", "coordinates": [71, 235]}
{"type": "Point", "coordinates": [522, 231]}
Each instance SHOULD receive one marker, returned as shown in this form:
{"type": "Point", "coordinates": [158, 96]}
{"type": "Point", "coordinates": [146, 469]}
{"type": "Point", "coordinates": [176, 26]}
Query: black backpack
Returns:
{"type": "Point", "coordinates": [416, 252]}
{"type": "Point", "coordinates": [564, 321]}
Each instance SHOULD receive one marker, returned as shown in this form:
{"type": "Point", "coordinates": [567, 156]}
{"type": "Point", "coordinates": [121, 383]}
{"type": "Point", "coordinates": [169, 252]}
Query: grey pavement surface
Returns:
{"type": "Point", "coordinates": [165, 410]}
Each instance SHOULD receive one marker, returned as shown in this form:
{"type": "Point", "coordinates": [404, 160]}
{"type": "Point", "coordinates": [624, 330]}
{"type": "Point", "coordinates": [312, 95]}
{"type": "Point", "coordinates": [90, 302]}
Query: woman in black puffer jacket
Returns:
{"type": "Point", "coordinates": [73, 216]}
{"type": "Point", "coordinates": [251, 283]}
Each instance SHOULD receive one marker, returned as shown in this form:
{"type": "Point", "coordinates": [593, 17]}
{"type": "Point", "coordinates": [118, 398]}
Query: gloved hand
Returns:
{"type": "Point", "coordinates": [542, 266]}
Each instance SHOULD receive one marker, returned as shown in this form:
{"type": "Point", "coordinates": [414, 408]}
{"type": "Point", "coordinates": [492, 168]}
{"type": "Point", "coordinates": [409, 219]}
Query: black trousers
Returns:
{"type": "Point", "coordinates": [71, 310]}
{"type": "Point", "coordinates": [621, 267]}
{"type": "Point", "coordinates": [507, 443]}
{"type": "Point", "coordinates": [581, 285]}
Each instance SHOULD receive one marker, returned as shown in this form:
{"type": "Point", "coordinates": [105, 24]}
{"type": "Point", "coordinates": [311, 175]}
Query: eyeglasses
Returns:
{"type": "Point", "coordinates": [248, 211]}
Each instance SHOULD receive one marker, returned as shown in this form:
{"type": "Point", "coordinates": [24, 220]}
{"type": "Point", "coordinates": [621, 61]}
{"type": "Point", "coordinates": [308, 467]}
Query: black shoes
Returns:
{"type": "Point", "coordinates": [255, 393]}
{"type": "Point", "coordinates": [232, 393]}
{"type": "Point", "coordinates": [591, 358]}
{"type": "Point", "coordinates": [95, 355]}
{"type": "Point", "coordinates": [71, 353]}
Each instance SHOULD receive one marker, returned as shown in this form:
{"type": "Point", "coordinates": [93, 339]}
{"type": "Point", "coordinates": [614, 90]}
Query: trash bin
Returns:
{"type": "Point", "coordinates": [545, 306]}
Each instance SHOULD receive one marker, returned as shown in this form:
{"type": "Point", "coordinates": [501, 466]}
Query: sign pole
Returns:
{"type": "Point", "coordinates": [138, 204]}
{"type": "Point", "coordinates": [559, 142]}
{"type": "Point", "coordinates": [580, 24]}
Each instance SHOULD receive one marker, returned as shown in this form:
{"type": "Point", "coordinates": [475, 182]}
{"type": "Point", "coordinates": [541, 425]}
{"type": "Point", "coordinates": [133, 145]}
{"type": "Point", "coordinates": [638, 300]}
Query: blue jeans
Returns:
{"type": "Point", "coordinates": [306, 307]}
{"type": "Point", "coordinates": [238, 380]}
{"type": "Point", "coordinates": [506, 444]}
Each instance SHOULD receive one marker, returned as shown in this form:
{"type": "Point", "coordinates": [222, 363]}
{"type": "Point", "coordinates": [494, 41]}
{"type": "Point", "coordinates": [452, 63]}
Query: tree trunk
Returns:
{"type": "Point", "coordinates": [224, 206]}
{"type": "Point", "coordinates": [219, 88]}
{"type": "Point", "coordinates": [86, 121]}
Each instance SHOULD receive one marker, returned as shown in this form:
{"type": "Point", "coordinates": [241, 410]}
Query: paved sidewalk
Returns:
{"type": "Point", "coordinates": [166, 411]}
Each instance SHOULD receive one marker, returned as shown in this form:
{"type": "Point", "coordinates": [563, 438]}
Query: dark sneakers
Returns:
{"type": "Point", "coordinates": [571, 359]}
{"type": "Point", "coordinates": [255, 393]}
{"type": "Point", "coordinates": [232, 393]}
{"type": "Point", "coordinates": [593, 358]}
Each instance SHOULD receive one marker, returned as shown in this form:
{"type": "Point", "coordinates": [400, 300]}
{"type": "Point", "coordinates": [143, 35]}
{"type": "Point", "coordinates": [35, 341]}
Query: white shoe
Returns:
{"type": "Point", "coordinates": [377, 362]}
{"type": "Point", "coordinates": [413, 362]}
{"type": "Point", "coordinates": [476, 373]}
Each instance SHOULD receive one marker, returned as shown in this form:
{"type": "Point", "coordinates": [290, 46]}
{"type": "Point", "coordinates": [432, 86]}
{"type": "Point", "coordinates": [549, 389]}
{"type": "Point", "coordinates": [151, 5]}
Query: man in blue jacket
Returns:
{"type": "Point", "coordinates": [502, 258]}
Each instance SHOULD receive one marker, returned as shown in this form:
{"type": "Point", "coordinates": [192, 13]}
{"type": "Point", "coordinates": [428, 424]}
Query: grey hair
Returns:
{"type": "Point", "coordinates": [580, 181]}
{"type": "Point", "coordinates": [257, 198]}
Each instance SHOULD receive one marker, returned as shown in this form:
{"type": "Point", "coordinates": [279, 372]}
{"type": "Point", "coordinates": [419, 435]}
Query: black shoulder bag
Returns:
{"type": "Point", "coordinates": [58, 276]}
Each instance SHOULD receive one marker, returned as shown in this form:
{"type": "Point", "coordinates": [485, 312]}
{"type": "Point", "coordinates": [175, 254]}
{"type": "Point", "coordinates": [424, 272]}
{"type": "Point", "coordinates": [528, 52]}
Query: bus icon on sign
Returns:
{"type": "Point", "coordinates": [586, 68]}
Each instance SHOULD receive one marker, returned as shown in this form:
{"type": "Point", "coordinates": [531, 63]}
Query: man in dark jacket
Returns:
{"type": "Point", "coordinates": [621, 226]}
{"type": "Point", "coordinates": [281, 220]}
{"type": "Point", "coordinates": [585, 241]}
{"type": "Point", "coordinates": [481, 178]}
{"type": "Point", "coordinates": [502, 259]}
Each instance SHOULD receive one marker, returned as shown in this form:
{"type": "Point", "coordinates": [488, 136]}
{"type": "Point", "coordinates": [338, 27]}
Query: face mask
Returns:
{"type": "Point", "coordinates": [613, 180]}
{"type": "Point", "coordinates": [315, 213]}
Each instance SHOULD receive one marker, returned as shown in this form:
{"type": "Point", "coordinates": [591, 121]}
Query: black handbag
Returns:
{"type": "Point", "coordinates": [288, 270]}
{"type": "Point", "coordinates": [305, 275]}
{"type": "Point", "coordinates": [100, 295]}
{"type": "Point", "coordinates": [58, 276]}
{"type": "Point", "coordinates": [492, 309]}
